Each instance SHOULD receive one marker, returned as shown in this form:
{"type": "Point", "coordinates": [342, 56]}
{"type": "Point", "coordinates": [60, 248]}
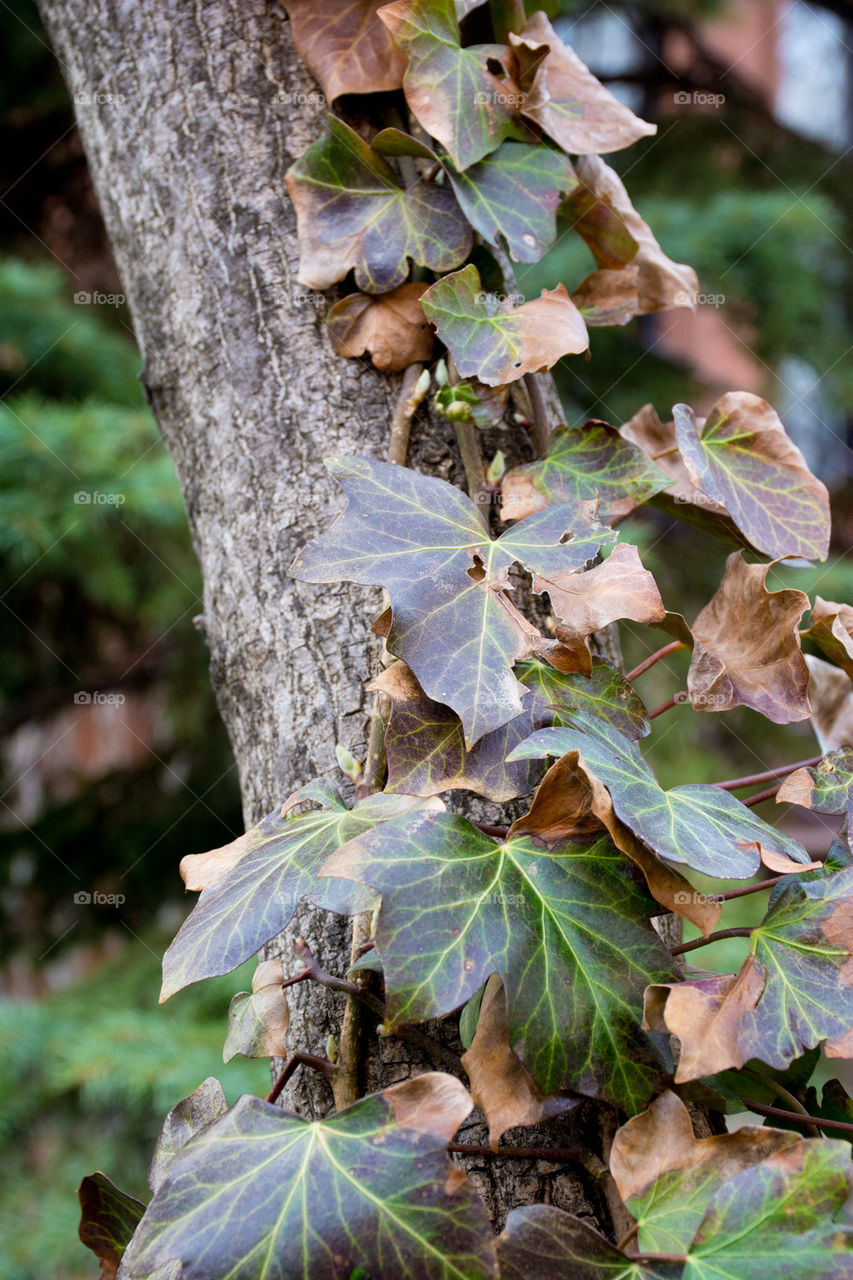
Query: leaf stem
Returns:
{"type": "Point", "coordinates": [655, 658]}
{"type": "Point", "coordinates": [674, 701]}
{"type": "Point", "coordinates": [683, 947]}
{"type": "Point", "coordinates": [761, 796]}
{"type": "Point", "coordinates": [753, 779]}
{"type": "Point", "coordinates": [322, 1065]}
{"type": "Point", "coordinates": [628, 1237]}
{"type": "Point", "coordinates": [490, 830]}
{"type": "Point", "coordinates": [758, 887]}
{"type": "Point", "coordinates": [313, 970]}
{"type": "Point", "coordinates": [540, 429]}
{"type": "Point", "coordinates": [805, 1119]}
{"type": "Point", "coordinates": [401, 423]}
{"type": "Point", "coordinates": [784, 1095]}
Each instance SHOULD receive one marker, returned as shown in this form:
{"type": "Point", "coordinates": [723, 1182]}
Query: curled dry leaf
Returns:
{"type": "Point", "coordinates": [454, 93]}
{"type": "Point", "coordinates": [794, 990]}
{"type": "Point", "coordinates": [258, 1020]}
{"type": "Point", "coordinates": [586, 602]}
{"type": "Point", "coordinates": [565, 99]}
{"type": "Point", "coordinates": [609, 297]}
{"type": "Point", "coordinates": [826, 788]}
{"type": "Point", "coordinates": [747, 648]}
{"type": "Point", "coordinates": [345, 46]}
{"type": "Point", "coordinates": [831, 700]}
{"type": "Point", "coordinates": [742, 457]}
{"type": "Point", "coordinates": [392, 328]}
{"type": "Point", "coordinates": [353, 211]}
{"type": "Point", "coordinates": [494, 340]}
{"type": "Point", "coordinates": [501, 1085]}
{"type": "Point", "coordinates": [582, 464]}
{"type": "Point", "coordinates": [661, 283]}
{"type": "Point", "coordinates": [434, 1103]}
{"type": "Point", "coordinates": [831, 629]}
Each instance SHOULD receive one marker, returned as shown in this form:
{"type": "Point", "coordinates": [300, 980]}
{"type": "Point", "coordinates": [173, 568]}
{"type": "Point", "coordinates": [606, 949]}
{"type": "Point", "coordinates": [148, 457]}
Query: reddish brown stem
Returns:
{"type": "Point", "coordinates": [753, 780]}
{"type": "Point", "coordinates": [489, 830]}
{"type": "Point", "coordinates": [655, 658]}
{"type": "Point", "coordinates": [684, 947]}
{"type": "Point", "coordinates": [761, 796]}
{"type": "Point", "coordinates": [782, 1114]}
{"type": "Point", "coordinates": [300, 1060]}
{"type": "Point", "coordinates": [758, 887]}
{"type": "Point", "coordinates": [674, 701]}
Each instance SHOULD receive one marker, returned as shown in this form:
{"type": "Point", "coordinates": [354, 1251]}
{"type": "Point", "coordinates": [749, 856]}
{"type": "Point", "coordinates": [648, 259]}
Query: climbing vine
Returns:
{"type": "Point", "coordinates": [538, 932]}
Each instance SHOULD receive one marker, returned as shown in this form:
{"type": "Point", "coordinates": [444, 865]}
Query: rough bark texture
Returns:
{"type": "Point", "coordinates": [191, 114]}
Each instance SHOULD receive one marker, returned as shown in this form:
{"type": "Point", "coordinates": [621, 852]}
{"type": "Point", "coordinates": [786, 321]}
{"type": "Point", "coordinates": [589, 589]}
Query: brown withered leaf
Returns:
{"type": "Point", "coordinates": [345, 46]}
{"type": "Point", "coordinates": [501, 1085]}
{"type": "Point", "coordinates": [433, 1103]}
{"type": "Point", "coordinates": [565, 99]}
{"type": "Point", "coordinates": [586, 602]}
{"type": "Point", "coordinates": [661, 283]}
{"type": "Point", "coordinates": [707, 1016]}
{"type": "Point", "coordinates": [747, 649]}
{"type": "Point", "coordinates": [825, 788]}
{"type": "Point", "coordinates": [831, 629]}
{"type": "Point", "coordinates": [391, 328]}
{"type": "Point", "coordinates": [572, 802]}
{"type": "Point", "coordinates": [609, 296]}
{"type": "Point", "coordinates": [831, 699]}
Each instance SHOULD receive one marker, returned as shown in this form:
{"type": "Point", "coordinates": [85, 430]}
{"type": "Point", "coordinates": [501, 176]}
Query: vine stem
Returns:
{"type": "Point", "coordinates": [654, 658]}
{"type": "Point", "coordinates": [674, 701]}
{"type": "Point", "coordinates": [784, 1095]}
{"type": "Point", "coordinates": [628, 1237]}
{"type": "Point", "coordinates": [758, 887]}
{"type": "Point", "coordinates": [782, 1113]}
{"type": "Point", "coordinates": [753, 779]}
{"type": "Point", "coordinates": [322, 1065]}
{"type": "Point", "coordinates": [761, 796]}
{"type": "Point", "coordinates": [683, 947]}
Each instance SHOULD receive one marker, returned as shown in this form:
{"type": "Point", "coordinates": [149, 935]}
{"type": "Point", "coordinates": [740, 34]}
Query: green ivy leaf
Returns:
{"type": "Point", "coordinates": [460, 96]}
{"type": "Point", "coordinates": [426, 542]}
{"type": "Point", "coordinates": [108, 1218]}
{"type": "Point", "coordinates": [583, 463]}
{"type": "Point", "coordinates": [494, 341]}
{"type": "Point", "coordinates": [702, 826]}
{"type": "Point", "coordinates": [253, 901]}
{"type": "Point", "coordinates": [742, 458]}
{"type": "Point", "coordinates": [825, 788]}
{"type": "Point", "coordinates": [541, 1242]}
{"type": "Point", "coordinates": [187, 1118]}
{"type": "Point", "coordinates": [353, 212]}
{"type": "Point", "coordinates": [425, 742]}
{"type": "Point", "coordinates": [566, 929]}
{"type": "Point", "coordinates": [262, 1194]}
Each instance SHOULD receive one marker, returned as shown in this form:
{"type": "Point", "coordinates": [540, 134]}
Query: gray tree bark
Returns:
{"type": "Point", "coordinates": [190, 114]}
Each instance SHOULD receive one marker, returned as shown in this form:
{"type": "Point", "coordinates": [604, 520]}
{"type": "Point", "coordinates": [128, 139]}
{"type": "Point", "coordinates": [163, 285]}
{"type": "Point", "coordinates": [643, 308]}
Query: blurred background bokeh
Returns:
{"type": "Point", "coordinates": [114, 763]}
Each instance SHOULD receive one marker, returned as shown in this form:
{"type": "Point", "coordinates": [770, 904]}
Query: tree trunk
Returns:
{"type": "Point", "coordinates": [190, 115]}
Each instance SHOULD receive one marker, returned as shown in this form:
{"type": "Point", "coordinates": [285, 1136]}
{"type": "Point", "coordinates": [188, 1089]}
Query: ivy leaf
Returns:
{"type": "Point", "coordinates": [541, 1241]}
{"type": "Point", "coordinates": [657, 440]}
{"type": "Point", "coordinates": [495, 341]}
{"type": "Point", "coordinates": [258, 1019]}
{"type": "Point", "coordinates": [743, 459]}
{"type": "Point", "coordinates": [581, 464]}
{"type": "Point", "coordinates": [345, 47]}
{"type": "Point", "coordinates": [108, 1219]}
{"type": "Point", "coordinates": [746, 650]}
{"type": "Point", "coordinates": [425, 742]}
{"type": "Point", "coordinates": [702, 826]}
{"type": "Point", "coordinates": [826, 788]}
{"type": "Point", "coordinates": [187, 1118]}
{"type": "Point", "coordinates": [392, 329]}
{"type": "Point", "coordinates": [661, 283]}
{"type": "Point", "coordinates": [353, 212]}
{"type": "Point", "coordinates": [566, 930]}
{"type": "Point", "coordinates": [501, 1085]}
{"type": "Point", "coordinates": [426, 543]}
{"type": "Point", "coordinates": [457, 95]}
{"type": "Point", "coordinates": [587, 602]}
{"type": "Point", "coordinates": [262, 1193]}
{"type": "Point", "coordinates": [831, 700]}
{"type": "Point", "coordinates": [831, 629]}
{"type": "Point", "coordinates": [251, 903]}
{"type": "Point", "coordinates": [793, 991]}
{"type": "Point", "coordinates": [609, 297]}
{"type": "Point", "coordinates": [565, 99]}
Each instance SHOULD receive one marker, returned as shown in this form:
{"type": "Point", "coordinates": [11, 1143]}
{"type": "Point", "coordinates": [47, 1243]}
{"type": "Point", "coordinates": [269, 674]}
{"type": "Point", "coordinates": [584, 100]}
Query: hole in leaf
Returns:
{"type": "Point", "coordinates": [496, 68]}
